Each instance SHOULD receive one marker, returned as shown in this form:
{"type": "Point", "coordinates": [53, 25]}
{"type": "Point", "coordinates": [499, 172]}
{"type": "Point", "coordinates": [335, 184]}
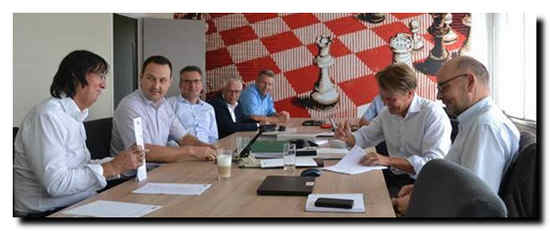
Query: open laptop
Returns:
{"type": "Point", "coordinates": [246, 150]}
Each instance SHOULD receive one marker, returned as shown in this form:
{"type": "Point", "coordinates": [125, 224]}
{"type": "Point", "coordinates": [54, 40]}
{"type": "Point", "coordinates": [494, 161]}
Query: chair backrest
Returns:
{"type": "Point", "coordinates": [98, 134]}
{"type": "Point", "coordinates": [446, 189]}
{"type": "Point", "coordinates": [519, 187]}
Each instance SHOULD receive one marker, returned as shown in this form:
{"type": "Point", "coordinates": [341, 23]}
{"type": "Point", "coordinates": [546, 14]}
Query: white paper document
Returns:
{"type": "Point", "coordinates": [138, 133]}
{"type": "Point", "coordinates": [342, 151]}
{"type": "Point", "coordinates": [101, 208]}
{"type": "Point", "coordinates": [173, 189]}
{"type": "Point", "coordinates": [358, 203]}
{"type": "Point", "coordinates": [350, 163]}
{"type": "Point", "coordinates": [300, 162]}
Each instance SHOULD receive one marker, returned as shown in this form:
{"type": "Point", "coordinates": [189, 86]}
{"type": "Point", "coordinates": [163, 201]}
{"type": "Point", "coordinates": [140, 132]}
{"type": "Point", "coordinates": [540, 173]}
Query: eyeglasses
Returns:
{"type": "Point", "coordinates": [446, 82]}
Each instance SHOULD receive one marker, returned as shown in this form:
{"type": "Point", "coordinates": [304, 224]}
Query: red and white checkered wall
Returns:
{"type": "Point", "coordinates": [241, 44]}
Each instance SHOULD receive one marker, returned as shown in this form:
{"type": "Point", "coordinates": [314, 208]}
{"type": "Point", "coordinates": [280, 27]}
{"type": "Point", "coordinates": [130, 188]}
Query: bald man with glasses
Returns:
{"type": "Point", "coordinates": [487, 140]}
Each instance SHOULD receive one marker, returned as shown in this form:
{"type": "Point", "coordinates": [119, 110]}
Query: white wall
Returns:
{"type": "Point", "coordinates": [40, 41]}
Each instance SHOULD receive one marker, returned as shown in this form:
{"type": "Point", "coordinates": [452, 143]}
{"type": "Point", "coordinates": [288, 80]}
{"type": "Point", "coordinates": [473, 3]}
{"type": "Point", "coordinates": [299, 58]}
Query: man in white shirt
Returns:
{"type": "Point", "coordinates": [52, 166]}
{"type": "Point", "coordinates": [160, 124]}
{"type": "Point", "coordinates": [487, 140]}
{"type": "Point", "coordinates": [416, 130]}
{"type": "Point", "coordinates": [196, 116]}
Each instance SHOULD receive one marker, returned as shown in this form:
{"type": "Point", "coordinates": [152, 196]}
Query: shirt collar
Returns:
{"type": "Point", "coordinates": [180, 98]}
{"type": "Point", "coordinates": [70, 107]}
{"type": "Point", "coordinates": [414, 107]}
{"type": "Point", "coordinates": [473, 110]}
{"type": "Point", "coordinates": [228, 104]}
{"type": "Point", "coordinates": [257, 91]}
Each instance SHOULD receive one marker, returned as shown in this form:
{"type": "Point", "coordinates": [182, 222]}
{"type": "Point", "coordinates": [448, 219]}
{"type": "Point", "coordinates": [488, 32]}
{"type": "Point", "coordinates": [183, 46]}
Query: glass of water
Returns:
{"type": "Point", "coordinates": [289, 158]}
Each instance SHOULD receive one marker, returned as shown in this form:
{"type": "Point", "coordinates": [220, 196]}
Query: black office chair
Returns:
{"type": "Point", "coordinates": [446, 189]}
{"type": "Point", "coordinates": [98, 133]}
{"type": "Point", "coordinates": [519, 187]}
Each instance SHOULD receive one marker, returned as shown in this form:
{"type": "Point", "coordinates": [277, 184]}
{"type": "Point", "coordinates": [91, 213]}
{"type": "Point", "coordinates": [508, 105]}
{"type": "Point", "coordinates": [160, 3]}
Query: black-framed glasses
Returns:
{"type": "Point", "coordinates": [442, 84]}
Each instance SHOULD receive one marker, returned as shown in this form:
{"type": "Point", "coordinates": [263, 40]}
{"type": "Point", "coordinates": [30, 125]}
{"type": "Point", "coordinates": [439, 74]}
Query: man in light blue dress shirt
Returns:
{"type": "Point", "coordinates": [256, 102]}
{"type": "Point", "coordinates": [416, 130]}
{"type": "Point", "coordinates": [375, 107]}
{"type": "Point", "coordinates": [196, 116]}
{"type": "Point", "coordinates": [160, 124]}
{"type": "Point", "coordinates": [487, 140]}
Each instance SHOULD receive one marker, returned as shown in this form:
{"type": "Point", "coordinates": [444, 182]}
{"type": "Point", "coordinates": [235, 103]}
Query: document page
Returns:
{"type": "Point", "coordinates": [358, 203]}
{"type": "Point", "coordinates": [172, 189]}
{"type": "Point", "coordinates": [101, 208]}
{"type": "Point", "coordinates": [300, 162]}
{"type": "Point", "coordinates": [350, 163]}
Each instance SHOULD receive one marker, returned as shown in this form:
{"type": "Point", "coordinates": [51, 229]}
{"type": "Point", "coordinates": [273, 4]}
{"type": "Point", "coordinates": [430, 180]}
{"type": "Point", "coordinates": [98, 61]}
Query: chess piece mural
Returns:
{"type": "Point", "coordinates": [467, 21]}
{"type": "Point", "coordinates": [401, 46]}
{"type": "Point", "coordinates": [325, 92]}
{"type": "Point", "coordinates": [450, 36]}
{"type": "Point", "coordinates": [373, 18]}
{"type": "Point", "coordinates": [417, 42]}
{"type": "Point", "coordinates": [439, 54]}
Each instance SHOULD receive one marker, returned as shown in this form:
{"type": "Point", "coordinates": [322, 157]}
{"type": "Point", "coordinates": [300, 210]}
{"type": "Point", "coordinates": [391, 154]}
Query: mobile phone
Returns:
{"type": "Point", "coordinates": [334, 203]}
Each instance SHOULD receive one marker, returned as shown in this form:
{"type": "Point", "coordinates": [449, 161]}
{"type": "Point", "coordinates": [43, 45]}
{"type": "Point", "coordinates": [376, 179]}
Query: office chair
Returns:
{"type": "Point", "coordinates": [446, 189]}
{"type": "Point", "coordinates": [98, 137]}
{"type": "Point", "coordinates": [519, 187]}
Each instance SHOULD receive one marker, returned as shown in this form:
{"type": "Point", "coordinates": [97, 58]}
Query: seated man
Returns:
{"type": "Point", "coordinates": [228, 117]}
{"type": "Point", "coordinates": [51, 163]}
{"type": "Point", "coordinates": [375, 107]}
{"type": "Point", "coordinates": [159, 121]}
{"type": "Point", "coordinates": [196, 116]}
{"type": "Point", "coordinates": [256, 103]}
{"type": "Point", "coordinates": [487, 140]}
{"type": "Point", "coordinates": [416, 130]}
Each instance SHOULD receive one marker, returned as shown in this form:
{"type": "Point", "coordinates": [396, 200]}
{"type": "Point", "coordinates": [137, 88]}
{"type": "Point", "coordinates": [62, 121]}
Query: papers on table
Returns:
{"type": "Point", "coordinates": [350, 163]}
{"type": "Point", "coordinates": [332, 151]}
{"type": "Point", "coordinates": [103, 208]}
{"type": "Point", "coordinates": [358, 203]}
{"type": "Point", "coordinates": [173, 189]}
{"type": "Point", "coordinates": [276, 163]}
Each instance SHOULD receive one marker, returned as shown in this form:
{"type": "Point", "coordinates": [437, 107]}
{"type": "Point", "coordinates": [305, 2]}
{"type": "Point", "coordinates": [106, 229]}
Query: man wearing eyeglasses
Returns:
{"type": "Point", "coordinates": [416, 130]}
{"type": "Point", "coordinates": [195, 115]}
{"type": "Point", "coordinates": [487, 140]}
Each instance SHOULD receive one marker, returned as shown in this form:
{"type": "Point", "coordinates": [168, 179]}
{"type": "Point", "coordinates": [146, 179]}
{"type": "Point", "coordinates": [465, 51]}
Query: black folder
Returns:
{"type": "Point", "coordinates": [286, 186]}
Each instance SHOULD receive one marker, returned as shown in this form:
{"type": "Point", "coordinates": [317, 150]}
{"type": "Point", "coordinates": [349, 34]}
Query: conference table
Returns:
{"type": "Point", "coordinates": [237, 198]}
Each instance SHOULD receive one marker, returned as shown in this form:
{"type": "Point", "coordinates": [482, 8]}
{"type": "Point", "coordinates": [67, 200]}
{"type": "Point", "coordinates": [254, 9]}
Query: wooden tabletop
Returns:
{"type": "Point", "coordinates": [237, 197]}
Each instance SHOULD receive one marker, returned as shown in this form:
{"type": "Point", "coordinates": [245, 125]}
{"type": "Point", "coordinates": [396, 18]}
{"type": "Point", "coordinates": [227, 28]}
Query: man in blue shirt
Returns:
{"type": "Point", "coordinates": [256, 102]}
{"type": "Point", "coordinates": [196, 116]}
{"type": "Point", "coordinates": [487, 140]}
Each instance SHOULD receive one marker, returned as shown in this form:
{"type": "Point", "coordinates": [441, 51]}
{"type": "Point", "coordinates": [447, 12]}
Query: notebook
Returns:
{"type": "Point", "coordinates": [286, 186]}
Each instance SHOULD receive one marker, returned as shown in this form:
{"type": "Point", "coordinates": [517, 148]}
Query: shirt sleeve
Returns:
{"type": "Point", "coordinates": [50, 161]}
{"type": "Point", "coordinates": [213, 128]}
{"type": "Point", "coordinates": [370, 135]}
{"type": "Point", "coordinates": [271, 106]}
{"type": "Point", "coordinates": [249, 105]}
{"type": "Point", "coordinates": [484, 155]}
{"type": "Point", "coordinates": [436, 140]}
{"type": "Point", "coordinates": [177, 131]}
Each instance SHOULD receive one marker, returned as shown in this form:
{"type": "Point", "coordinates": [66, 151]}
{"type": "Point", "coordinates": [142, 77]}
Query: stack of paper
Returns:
{"type": "Point", "coordinates": [277, 163]}
{"type": "Point", "coordinates": [350, 163]}
{"type": "Point", "coordinates": [103, 208]}
{"type": "Point", "coordinates": [172, 189]}
{"type": "Point", "coordinates": [358, 203]}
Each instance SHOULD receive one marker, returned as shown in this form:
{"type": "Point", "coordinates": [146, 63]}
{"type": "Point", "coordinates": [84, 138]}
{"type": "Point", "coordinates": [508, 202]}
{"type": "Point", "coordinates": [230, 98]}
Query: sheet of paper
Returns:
{"type": "Point", "coordinates": [102, 208]}
{"type": "Point", "coordinates": [358, 203]}
{"type": "Point", "coordinates": [332, 150]}
{"type": "Point", "coordinates": [138, 132]}
{"type": "Point", "coordinates": [300, 162]}
{"type": "Point", "coordinates": [350, 163]}
{"type": "Point", "coordinates": [172, 189]}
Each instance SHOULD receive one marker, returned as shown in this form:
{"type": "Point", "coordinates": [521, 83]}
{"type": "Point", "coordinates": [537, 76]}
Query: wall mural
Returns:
{"type": "Point", "coordinates": [325, 62]}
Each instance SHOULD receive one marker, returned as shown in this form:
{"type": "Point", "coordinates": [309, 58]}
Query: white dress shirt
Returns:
{"type": "Point", "coordinates": [486, 143]}
{"type": "Point", "coordinates": [231, 109]}
{"type": "Point", "coordinates": [198, 119]}
{"type": "Point", "coordinates": [422, 135]}
{"type": "Point", "coordinates": [159, 122]}
{"type": "Point", "coordinates": [51, 163]}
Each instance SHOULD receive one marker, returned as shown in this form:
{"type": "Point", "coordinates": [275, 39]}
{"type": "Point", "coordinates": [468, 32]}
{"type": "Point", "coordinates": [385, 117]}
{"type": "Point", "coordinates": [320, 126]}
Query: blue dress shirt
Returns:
{"type": "Point", "coordinates": [253, 103]}
{"type": "Point", "coordinates": [198, 119]}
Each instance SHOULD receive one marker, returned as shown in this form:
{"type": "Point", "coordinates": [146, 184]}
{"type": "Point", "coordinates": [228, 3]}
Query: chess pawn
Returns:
{"type": "Point", "coordinates": [467, 21]}
{"type": "Point", "coordinates": [449, 37]}
{"type": "Point", "coordinates": [401, 45]}
{"type": "Point", "coordinates": [417, 42]}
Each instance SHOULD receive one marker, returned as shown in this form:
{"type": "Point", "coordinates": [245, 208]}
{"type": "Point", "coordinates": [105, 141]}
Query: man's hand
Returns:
{"type": "Point", "coordinates": [205, 153]}
{"type": "Point", "coordinates": [373, 158]}
{"type": "Point", "coordinates": [401, 204]}
{"type": "Point", "coordinates": [128, 159]}
{"type": "Point", "coordinates": [283, 117]}
{"type": "Point", "coordinates": [406, 190]}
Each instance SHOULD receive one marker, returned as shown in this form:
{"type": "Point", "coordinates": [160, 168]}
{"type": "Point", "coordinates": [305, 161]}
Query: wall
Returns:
{"type": "Point", "coordinates": [241, 44]}
{"type": "Point", "coordinates": [40, 41]}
